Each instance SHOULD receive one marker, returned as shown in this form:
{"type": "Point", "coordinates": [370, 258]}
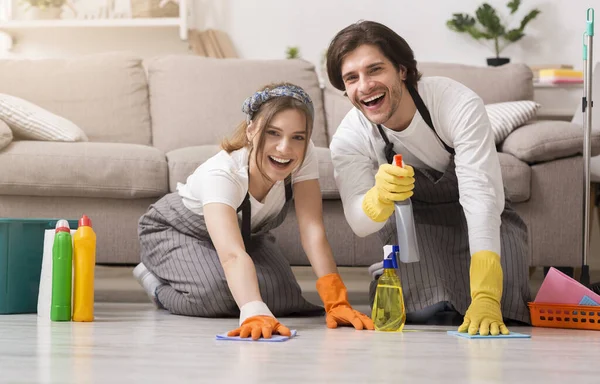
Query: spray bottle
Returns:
{"type": "Point", "coordinates": [405, 226]}
{"type": "Point", "coordinates": [62, 272]}
{"type": "Point", "coordinates": [389, 314]}
{"type": "Point", "coordinates": [84, 255]}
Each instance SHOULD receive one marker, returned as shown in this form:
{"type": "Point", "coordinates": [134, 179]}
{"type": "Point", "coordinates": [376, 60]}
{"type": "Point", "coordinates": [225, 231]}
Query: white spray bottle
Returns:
{"type": "Point", "coordinates": [405, 226]}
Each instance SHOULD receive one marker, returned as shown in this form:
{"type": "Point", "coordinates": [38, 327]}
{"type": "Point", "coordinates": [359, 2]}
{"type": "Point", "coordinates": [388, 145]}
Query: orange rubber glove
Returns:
{"type": "Point", "coordinates": [260, 326]}
{"type": "Point", "coordinates": [334, 294]}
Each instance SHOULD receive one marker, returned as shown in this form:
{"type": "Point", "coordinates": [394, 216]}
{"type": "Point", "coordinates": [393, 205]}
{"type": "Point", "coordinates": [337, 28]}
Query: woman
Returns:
{"type": "Point", "coordinates": [196, 260]}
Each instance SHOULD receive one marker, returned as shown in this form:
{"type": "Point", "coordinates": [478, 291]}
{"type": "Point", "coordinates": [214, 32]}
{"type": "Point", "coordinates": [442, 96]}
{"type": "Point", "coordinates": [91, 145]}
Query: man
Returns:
{"type": "Point", "coordinates": [467, 234]}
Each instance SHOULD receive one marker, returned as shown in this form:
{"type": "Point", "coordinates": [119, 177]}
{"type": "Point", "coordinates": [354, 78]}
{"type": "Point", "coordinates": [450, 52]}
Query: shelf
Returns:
{"type": "Point", "coordinates": [558, 86]}
{"type": "Point", "coordinates": [91, 23]}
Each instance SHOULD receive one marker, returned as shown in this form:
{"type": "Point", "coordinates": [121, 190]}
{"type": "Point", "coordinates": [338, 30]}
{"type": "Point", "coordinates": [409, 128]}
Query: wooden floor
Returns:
{"type": "Point", "coordinates": [132, 342]}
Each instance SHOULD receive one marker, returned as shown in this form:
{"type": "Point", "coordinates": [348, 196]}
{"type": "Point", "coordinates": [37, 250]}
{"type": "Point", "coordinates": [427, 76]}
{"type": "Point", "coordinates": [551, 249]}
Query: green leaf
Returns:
{"type": "Point", "coordinates": [514, 35]}
{"type": "Point", "coordinates": [530, 16]}
{"type": "Point", "coordinates": [513, 5]}
{"type": "Point", "coordinates": [488, 17]}
{"type": "Point", "coordinates": [460, 22]}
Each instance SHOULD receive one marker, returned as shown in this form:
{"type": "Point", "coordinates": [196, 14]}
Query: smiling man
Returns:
{"type": "Point", "coordinates": [473, 245]}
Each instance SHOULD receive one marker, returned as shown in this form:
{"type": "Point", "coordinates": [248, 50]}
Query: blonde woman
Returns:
{"type": "Point", "coordinates": [206, 250]}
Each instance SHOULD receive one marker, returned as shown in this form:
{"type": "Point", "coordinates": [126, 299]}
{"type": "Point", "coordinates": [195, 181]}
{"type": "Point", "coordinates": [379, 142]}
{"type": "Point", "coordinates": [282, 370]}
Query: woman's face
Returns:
{"type": "Point", "coordinates": [285, 139]}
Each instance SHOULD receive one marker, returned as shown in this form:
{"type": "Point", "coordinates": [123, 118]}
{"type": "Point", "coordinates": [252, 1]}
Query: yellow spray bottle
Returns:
{"type": "Point", "coordinates": [84, 258]}
{"type": "Point", "coordinates": [388, 312]}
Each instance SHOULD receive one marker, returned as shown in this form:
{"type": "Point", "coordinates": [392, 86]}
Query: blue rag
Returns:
{"type": "Point", "coordinates": [274, 338]}
{"type": "Point", "coordinates": [587, 301]}
{"type": "Point", "coordinates": [512, 335]}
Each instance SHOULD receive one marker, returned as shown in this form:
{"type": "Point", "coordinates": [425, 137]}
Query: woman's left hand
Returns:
{"type": "Point", "coordinates": [334, 294]}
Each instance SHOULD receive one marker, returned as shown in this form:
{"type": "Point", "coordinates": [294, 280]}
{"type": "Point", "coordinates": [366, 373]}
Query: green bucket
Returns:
{"type": "Point", "coordinates": [21, 253]}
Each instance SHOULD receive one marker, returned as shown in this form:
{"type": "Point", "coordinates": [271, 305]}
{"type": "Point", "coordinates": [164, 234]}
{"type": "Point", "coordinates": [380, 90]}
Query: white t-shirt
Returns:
{"type": "Point", "coordinates": [461, 121]}
{"type": "Point", "coordinates": [224, 179]}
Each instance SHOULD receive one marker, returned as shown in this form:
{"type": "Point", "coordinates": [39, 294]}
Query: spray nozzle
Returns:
{"type": "Point", "coordinates": [390, 256]}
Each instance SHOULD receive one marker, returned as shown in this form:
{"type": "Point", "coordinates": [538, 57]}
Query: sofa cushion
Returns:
{"type": "Point", "coordinates": [516, 176]}
{"type": "Point", "coordinates": [509, 82]}
{"type": "Point", "coordinates": [548, 140]}
{"type": "Point", "coordinates": [6, 135]}
{"type": "Point", "coordinates": [30, 121]}
{"type": "Point", "coordinates": [110, 170]}
{"type": "Point", "coordinates": [198, 101]}
{"type": "Point", "coordinates": [506, 117]}
{"type": "Point", "coordinates": [184, 161]}
{"type": "Point", "coordinates": [106, 94]}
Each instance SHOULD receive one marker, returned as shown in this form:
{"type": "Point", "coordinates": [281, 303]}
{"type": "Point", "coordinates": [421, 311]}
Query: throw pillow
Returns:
{"type": "Point", "coordinates": [508, 116]}
{"type": "Point", "coordinates": [6, 135]}
{"type": "Point", "coordinates": [29, 121]}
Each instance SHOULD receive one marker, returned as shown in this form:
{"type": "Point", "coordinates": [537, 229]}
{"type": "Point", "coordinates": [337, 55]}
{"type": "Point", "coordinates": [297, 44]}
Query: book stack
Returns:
{"type": "Point", "coordinates": [560, 76]}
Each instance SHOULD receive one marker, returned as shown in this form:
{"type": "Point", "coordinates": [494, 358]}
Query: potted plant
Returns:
{"type": "Point", "coordinates": [43, 9]}
{"type": "Point", "coordinates": [487, 25]}
{"type": "Point", "coordinates": [292, 53]}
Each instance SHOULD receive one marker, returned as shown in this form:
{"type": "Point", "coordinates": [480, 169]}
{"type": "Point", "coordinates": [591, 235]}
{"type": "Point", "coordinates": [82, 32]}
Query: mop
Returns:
{"type": "Point", "coordinates": [587, 105]}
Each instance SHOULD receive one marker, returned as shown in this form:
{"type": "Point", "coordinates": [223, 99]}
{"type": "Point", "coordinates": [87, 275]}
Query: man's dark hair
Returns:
{"type": "Point", "coordinates": [394, 47]}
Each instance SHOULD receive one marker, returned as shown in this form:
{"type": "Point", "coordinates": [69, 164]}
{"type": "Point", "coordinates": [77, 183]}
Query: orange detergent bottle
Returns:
{"type": "Point", "coordinates": [84, 260]}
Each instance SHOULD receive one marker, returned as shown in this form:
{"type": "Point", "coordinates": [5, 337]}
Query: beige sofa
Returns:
{"type": "Point", "coordinates": [150, 124]}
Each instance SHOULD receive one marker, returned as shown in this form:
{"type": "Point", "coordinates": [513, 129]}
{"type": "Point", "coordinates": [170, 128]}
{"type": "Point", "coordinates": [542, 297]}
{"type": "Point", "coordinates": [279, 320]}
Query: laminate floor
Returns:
{"type": "Point", "coordinates": [131, 342]}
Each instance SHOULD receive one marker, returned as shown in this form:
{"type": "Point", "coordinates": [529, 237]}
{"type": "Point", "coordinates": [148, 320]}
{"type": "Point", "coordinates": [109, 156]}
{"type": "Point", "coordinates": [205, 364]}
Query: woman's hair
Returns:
{"type": "Point", "coordinates": [393, 47]}
{"type": "Point", "coordinates": [260, 109]}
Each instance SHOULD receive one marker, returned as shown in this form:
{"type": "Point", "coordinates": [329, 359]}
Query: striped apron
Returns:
{"type": "Point", "coordinates": [442, 274]}
{"type": "Point", "coordinates": [176, 247]}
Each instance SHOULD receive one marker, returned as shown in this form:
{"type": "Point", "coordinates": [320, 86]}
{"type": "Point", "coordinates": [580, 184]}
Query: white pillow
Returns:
{"type": "Point", "coordinates": [6, 135]}
{"type": "Point", "coordinates": [30, 121]}
{"type": "Point", "coordinates": [508, 116]}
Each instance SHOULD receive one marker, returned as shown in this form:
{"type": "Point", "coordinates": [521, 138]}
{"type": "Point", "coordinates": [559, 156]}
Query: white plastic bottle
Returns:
{"type": "Point", "coordinates": [405, 226]}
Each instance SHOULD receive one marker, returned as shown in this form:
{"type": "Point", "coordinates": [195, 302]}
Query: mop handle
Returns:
{"type": "Point", "coordinates": [587, 104]}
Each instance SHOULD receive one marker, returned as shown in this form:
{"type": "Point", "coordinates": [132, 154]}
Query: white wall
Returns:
{"type": "Point", "coordinates": [264, 28]}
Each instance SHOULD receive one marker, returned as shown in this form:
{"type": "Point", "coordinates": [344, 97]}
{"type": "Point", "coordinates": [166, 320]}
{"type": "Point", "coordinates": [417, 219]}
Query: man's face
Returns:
{"type": "Point", "coordinates": [372, 83]}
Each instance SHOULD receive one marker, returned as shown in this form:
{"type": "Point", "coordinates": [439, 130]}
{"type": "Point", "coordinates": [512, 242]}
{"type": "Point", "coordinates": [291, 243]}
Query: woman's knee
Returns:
{"type": "Point", "coordinates": [197, 302]}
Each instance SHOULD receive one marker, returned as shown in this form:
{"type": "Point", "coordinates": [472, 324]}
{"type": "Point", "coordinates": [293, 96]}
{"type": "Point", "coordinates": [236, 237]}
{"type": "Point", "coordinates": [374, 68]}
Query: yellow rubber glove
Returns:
{"type": "Point", "coordinates": [260, 326]}
{"type": "Point", "coordinates": [334, 294]}
{"type": "Point", "coordinates": [392, 183]}
{"type": "Point", "coordinates": [484, 314]}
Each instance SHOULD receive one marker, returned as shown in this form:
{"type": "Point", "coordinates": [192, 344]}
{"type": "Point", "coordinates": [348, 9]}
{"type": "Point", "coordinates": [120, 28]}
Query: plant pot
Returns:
{"type": "Point", "coordinates": [497, 61]}
{"type": "Point", "coordinates": [49, 13]}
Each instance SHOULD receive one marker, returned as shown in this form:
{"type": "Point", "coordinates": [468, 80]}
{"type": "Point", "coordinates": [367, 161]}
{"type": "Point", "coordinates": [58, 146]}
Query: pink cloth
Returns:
{"type": "Point", "coordinates": [558, 288]}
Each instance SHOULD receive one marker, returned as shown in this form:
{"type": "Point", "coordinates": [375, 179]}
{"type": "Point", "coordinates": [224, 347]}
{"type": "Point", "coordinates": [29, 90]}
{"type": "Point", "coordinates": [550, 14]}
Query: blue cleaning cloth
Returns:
{"type": "Point", "coordinates": [274, 338]}
{"type": "Point", "coordinates": [512, 335]}
{"type": "Point", "coordinates": [587, 301]}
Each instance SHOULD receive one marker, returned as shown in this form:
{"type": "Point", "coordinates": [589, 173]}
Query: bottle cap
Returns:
{"type": "Point", "coordinates": [62, 226]}
{"type": "Point", "coordinates": [395, 255]}
{"type": "Point", "coordinates": [388, 263]}
{"type": "Point", "coordinates": [398, 160]}
{"type": "Point", "coordinates": [85, 221]}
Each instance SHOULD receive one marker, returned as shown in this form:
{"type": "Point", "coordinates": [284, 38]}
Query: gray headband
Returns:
{"type": "Point", "coordinates": [253, 103]}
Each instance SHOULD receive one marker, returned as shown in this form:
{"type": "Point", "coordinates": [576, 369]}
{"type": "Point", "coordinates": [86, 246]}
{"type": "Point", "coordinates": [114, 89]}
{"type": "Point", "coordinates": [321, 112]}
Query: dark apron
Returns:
{"type": "Point", "coordinates": [442, 274]}
{"type": "Point", "coordinates": [176, 247]}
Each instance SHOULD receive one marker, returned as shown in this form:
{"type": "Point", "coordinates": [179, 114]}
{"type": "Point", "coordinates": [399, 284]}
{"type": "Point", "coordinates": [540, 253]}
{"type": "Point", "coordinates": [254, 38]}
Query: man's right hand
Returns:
{"type": "Point", "coordinates": [392, 183]}
{"type": "Point", "coordinates": [260, 326]}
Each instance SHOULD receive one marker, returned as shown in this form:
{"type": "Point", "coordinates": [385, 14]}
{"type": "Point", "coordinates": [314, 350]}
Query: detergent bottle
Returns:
{"type": "Point", "coordinates": [405, 226]}
{"type": "Point", "coordinates": [62, 272]}
{"type": "Point", "coordinates": [84, 255]}
{"type": "Point", "coordinates": [388, 312]}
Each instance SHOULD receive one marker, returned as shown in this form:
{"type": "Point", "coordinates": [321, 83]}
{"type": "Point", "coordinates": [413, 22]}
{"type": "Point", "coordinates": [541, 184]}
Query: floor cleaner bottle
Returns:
{"type": "Point", "coordinates": [405, 226]}
{"type": "Point", "coordinates": [84, 256]}
{"type": "Point", "coordinates": [388, 312]}
{"type": "Point", "coordinates": [62, 272]}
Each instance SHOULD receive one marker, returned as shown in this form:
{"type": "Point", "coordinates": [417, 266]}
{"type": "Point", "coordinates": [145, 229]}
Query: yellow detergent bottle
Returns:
{"type": "Point", "coordinates": [84, 259]}
{"type": "Point", "coordinates": [388, 312]}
